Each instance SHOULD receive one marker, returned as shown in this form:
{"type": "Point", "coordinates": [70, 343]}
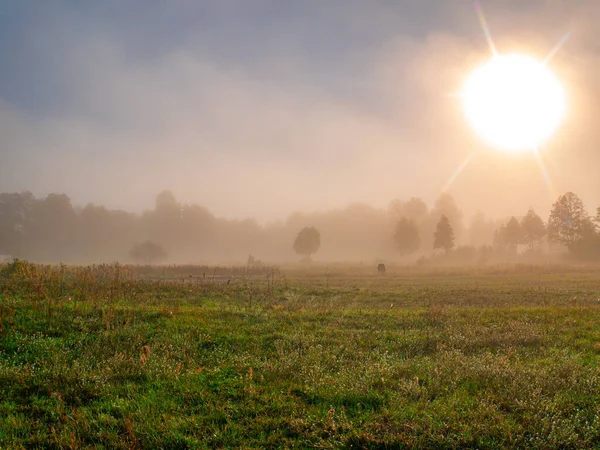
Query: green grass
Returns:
{"type": "Point", "coordinates": [95, 357]}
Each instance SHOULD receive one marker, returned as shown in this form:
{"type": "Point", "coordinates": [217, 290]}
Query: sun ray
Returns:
{"type": "Point", "coordinates": [544, 170]}
{"type": "Point", "coordinates": [552, 164]}
{"type": "Point", "coordinates": [458, 171]}
{"type": "Point", "coordinates": [556, 48]}
{"type": "Point", "coordinates": [485, 28]}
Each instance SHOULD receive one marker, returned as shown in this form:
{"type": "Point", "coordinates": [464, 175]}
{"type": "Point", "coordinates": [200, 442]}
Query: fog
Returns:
{"type": "Point", "coordinates": [258, 110]}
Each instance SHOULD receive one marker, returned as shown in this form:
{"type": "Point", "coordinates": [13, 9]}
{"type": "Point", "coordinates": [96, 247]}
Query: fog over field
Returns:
{"type": "Point", "coordinates": [331, 224]}
{"type": "Point", "coordinates": [273, 116]}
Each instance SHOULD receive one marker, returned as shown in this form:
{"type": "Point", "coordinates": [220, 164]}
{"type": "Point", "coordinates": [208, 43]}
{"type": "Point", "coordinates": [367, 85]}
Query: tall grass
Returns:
{"type": "Point", "coordinates": [117, 357]}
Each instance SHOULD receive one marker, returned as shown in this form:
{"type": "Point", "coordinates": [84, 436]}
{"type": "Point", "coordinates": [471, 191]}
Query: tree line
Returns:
{"type": "Point", "coordinates": [569, 227]}
{"type": "Point", "coordinates": [51, 229]}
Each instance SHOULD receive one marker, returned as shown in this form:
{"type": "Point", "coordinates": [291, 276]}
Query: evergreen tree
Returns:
{"type": "Point", "coordinates": [443, 237]}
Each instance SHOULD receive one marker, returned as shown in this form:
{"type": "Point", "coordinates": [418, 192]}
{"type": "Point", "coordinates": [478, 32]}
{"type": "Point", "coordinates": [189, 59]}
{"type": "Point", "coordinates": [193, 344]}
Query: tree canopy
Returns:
{"type": "Point", "coordinates": [533, 229]}
{"type": "Point", "coordinates": [509, 235]}
{"type": "Point", "coordinates": [148, 252]}
{"type": "Point", "coordinates": [308, 241]}
{"type": "Point", "coordinates": [443, 237]}
{"type": "Point", "coordinates": [406, 237]}
{"type": "Point", "coordinates": [568, 222]}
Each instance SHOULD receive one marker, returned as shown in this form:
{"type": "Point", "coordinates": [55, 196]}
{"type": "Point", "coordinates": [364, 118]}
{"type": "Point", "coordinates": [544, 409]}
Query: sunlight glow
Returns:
{"type": "Point", "coordinates": [557, 47]}
{"type": "Point", "coordinates": [458, 171]}
{"type": "Point", "coordinates": [485, 28]}
{"type": "Point", "coordinates": [545, 173]}
{"type": "Point", "coordinates": [514, 102]}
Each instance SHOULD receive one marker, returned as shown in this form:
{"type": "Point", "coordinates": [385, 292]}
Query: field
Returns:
{"type": "Point", "coordinates": [338, 357]}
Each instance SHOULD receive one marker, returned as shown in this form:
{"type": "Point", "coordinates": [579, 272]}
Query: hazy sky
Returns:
{"type": "Point", "coordinates": [263, 107]}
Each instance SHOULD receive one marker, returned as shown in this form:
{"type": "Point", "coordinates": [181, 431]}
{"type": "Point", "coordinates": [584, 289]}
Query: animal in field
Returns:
{"type": "Point", "coordinates": [381, 268]}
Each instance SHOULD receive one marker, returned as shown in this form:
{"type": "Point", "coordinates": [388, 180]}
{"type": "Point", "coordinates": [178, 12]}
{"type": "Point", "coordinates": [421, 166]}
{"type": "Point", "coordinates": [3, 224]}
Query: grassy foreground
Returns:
{"type": "Point", "coordinates": [95, 357]}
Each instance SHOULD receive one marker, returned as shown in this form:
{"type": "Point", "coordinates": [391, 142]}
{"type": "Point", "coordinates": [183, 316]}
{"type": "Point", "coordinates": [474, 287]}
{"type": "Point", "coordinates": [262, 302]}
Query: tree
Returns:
{"type": "Point", "coordinates": [499, 241]}
{"type": "Point", "coordinates": [443, 237]}
{"type": "Point", "coordinates": [308, 241]}
{"type": "Point", "coordinates": [166, 203]}
{"type": "Point", "coordinates": [533, 229]}
{"type": "Point", "coordinates": [51, 229]}
{"type": "Point", "coordinates": [407, 237]}
{"type": "Point", "coordinates": [481, 230]}
{"type": "Point", "coordinates": [446, 206]}
{"type": "Point", "coordinates": [569, 222]}
{"type": "Point", "coordinates": [15, 215]}
{"type": "Point", "coordinates": [597, 218]}
{"type": "Point", "coordinates": [148, 252]}
{"type": "Point", "coordinates": [414, 209]}
{"type": "Point", "coordinates": [511, 235]}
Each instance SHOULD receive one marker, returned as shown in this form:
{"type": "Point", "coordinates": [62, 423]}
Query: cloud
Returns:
{"type": "Point", "coordinates": [270, 137]}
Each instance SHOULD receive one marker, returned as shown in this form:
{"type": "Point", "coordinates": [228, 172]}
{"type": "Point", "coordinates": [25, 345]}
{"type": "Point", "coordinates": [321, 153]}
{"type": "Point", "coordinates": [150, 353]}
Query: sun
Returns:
{"type": "Point", "coordinates": [513, 102]}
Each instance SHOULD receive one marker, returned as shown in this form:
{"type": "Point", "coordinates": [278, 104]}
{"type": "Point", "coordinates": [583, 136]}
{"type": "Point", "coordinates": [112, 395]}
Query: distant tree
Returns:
{"type": "Point", "coordinates": [597, 218]}
{"type": "Point", "coordinates": [414, 209]}
{"type": "Point", "coordinates": [443, 237]}
{"type": "Point", "coordinates": [513, 235]}
{"type": "Point", "coordinates": [569, 222]}
{"type": "Point", "coordinates": [148, 252]}
{"type": "Point", "coordinates": [407, 237]}
{"type": "Point", "coordinates": [51, 229]}
{"type": "Point", "coordinates": [308, 241]}
{"type": "Point", "coordinates": [445, 205]}
{"type": "Point", "coordinates": [166, 203]}
{"type": "Point", "coordinates": [533, 229]}
{"type": "Point", "coordinates": [481, 230]}
{"type": "Point", "coordinates": [499, 241]}
{"type": "Point", "coordinates": [15, 216]}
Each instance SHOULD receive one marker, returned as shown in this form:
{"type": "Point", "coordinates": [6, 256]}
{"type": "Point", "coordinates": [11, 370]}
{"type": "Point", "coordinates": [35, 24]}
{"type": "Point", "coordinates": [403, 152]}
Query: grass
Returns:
{"type": "Point", "coordinates": [98, 357]}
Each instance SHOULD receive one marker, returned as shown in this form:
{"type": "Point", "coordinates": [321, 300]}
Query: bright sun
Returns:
{"type": "Point", "coordinates": [513, 102]}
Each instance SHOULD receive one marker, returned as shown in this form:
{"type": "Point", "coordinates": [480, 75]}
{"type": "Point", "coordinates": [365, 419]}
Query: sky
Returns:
{"type": "Point", "coordinates": [259, 108]}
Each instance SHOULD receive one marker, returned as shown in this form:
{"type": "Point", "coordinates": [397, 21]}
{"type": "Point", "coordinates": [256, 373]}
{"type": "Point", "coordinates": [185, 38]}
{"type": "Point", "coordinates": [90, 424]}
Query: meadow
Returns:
{"type": "Point", "coordinates": [324, 357]}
